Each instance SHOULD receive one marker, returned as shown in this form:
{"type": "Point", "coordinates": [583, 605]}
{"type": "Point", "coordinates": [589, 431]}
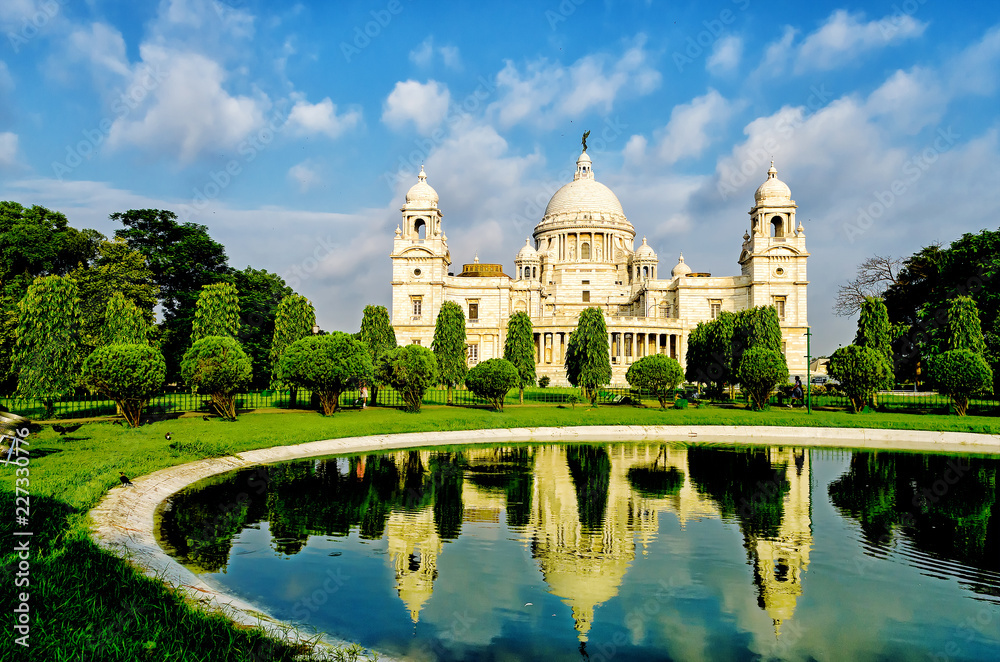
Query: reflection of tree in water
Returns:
{"type": "Point", "coordinates": [744, 484]}
{"type": "Point", "coordinates": [590, 468]}
{"type": "Point", "coordinates": [948, 506]}
{"type": "Point", "coordinates": [654, 481]}
{"type": "Point", "coordinates": [510, 472]}
{"type": "Point", "coordinates": [446, 487]}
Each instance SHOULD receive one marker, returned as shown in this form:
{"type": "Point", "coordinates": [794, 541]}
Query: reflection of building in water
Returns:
{"type": "Point", "coordinates": [414, 547]}
{"type": "Point", "coordinates": [780, 562]}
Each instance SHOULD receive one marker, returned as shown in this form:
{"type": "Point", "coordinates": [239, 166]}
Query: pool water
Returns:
{"type": "Point", "coordinates": [630, 551]}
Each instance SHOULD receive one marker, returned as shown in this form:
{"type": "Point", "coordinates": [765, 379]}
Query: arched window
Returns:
{"type": "Point", "coordinates": [645, 272]}
{"type": "Point", "coordinates": [777, 226]}
{"type": "Point", "coordinates": [585, 251]}
{"type": "Point", "coordinates": [420, 228]}
{"type": "Point", "coordinates": [534, 272]}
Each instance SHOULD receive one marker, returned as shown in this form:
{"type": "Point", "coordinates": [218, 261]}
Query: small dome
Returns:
{"type": "Point", "coordinates": [527, 251]}
{"type": "Point", "coordinates": [773, 190]}
{"type": "Point", "coordinates": [681, 269]}
{"type": "Point", "coordinates": [421, 194]}
{"type": "Point", "coordinates": [645, 252]}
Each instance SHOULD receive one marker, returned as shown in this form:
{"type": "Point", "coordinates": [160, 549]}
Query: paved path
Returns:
{"type": "Point", "coordinates": [125, 520]}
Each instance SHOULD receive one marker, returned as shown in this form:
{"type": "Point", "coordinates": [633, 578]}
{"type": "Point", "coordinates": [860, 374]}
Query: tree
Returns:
{"type": "Point", "coordinates": [588, 359]}
{"type": "Point", "coordinates": [217, 311]}
{"type": "Point", "coordinates": [875, 275]}
{"type": "Point", "coordinates": [378, 334]}
{"type": "Point", "coordinates": [183, 258]}
{"type": "Point", "coordinates": [697, 357]}
{"type": "Point", "coordinates": [755, 327]}
{"type": "Point", "coordinates": [129, 374]}
{"type": "Point", "coordinates": [217, 365]}
{"type": "Point", "coordinates": [861, 371]}
{"type": "Point", "coordinates": [519, 349]}
{"type": "Point", "coordinates": [964, 329]}
{"type": "Point", "coordinates": [411, 370]}
{"type": "Point", "coordinates": [492, 379]}
{"type": "Point", "coordinates": [875, 332]}
{"type": "Point", "coordinates": [760, 370]}
{"type": "Point", "coordinates": [293, 321]}
{"type": "Point", "coordinates": [327, 365]}
{"type": "Point", "coordinates": [45, 353]}
{"type": "Point", "coordinates": [260, 293]}
{"type": "Point", "coordinates": [657, 373]}
{"type": "Point", "coordinates": [449, 345]}
{"type": "Point", "coordinates": [961, 373]}
{"type": "Point", "coordinates": [719, 337]}
{"type": "Point", "coordinates": [124, 324]}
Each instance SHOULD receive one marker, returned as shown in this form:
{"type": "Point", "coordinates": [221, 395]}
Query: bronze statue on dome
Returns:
{"type": "Point", "coordinates": [586, 134]}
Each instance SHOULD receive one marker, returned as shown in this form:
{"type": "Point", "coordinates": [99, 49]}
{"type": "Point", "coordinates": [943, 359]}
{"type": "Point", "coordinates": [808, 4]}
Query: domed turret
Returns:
{"type": "Point", "coordinates": [528, 262]}
{"type": "Point", "coordinates": [527, 251]}
{"type": "Point", "coordinates": [645, 252]}
{"type": "Point", "coordinates": [773, 190]}
{"type": "Point", "coordinates": [681, 269]}
{"type": "Point", "coordinates": [421, 195]}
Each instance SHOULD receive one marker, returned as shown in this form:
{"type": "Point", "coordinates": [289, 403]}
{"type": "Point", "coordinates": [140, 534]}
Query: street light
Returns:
{"type": "Point", "coordinates": [315, 329]}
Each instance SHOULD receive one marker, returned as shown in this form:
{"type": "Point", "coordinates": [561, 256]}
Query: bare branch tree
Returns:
{"type": "Point", "coordinates": [875, 275]}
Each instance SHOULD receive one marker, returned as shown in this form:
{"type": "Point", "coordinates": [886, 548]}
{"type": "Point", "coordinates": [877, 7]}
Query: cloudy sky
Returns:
{"type": "Point", "coordinates": [293, 130]}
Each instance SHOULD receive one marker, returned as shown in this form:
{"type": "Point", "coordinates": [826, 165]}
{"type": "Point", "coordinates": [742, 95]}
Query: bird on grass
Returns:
{"type": "Point", "coordinates": [66, 429]}
{"type": "Point", "coordinates": [205, 418]}
{"type": "Point", "coordinates": [123, 478]}
{"type": "Point", "coordinates": [167, 436]}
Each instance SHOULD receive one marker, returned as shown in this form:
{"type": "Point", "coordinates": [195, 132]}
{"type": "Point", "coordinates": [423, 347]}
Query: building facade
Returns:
{"type": "Point", "coordinates": [582, 254]}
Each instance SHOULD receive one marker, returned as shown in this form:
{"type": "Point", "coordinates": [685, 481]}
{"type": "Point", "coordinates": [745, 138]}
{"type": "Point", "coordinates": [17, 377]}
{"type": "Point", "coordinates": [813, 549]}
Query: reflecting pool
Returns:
{"type": "Point", "coordinates": [629, 551]}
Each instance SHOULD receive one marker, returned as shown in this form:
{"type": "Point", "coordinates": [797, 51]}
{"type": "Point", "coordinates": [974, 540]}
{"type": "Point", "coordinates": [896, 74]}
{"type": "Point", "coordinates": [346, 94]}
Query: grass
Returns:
{"type": "Point", "coordinates": [88, 604]}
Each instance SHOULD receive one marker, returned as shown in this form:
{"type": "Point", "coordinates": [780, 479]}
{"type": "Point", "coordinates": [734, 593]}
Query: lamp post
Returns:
{"type": "Point", "coordinates": [808, 366]}
{"type": "Point", "coordinates": [315, 329]}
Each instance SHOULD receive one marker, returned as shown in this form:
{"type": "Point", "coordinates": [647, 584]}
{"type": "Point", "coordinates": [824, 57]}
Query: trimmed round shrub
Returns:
{"type": "Point", "coordinates": [492, 379]}
{"type": "Point", "coordinates": [657, 373]}
{"type": "Point", "coordinates": [411, 370]}
{"type": "Point", "coordinates": [759, 371]}
{"type": "Point", "coordinates": [544, 381]}
{"type": "Point", "coordinates": [218, 366]}
{"type": "Point", "coordinates": [861, 371]}
{"type": "Point", "coordinates": [128, 374]}
{"type": "Point", "coordinates": [961, 373]}
{"type": "Point", "coordinates": [326, 365]}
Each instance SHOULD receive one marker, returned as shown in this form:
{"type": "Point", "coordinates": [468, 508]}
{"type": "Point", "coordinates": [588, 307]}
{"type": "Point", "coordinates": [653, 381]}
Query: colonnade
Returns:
{"type": "Point", "coordinates": [626, 346]}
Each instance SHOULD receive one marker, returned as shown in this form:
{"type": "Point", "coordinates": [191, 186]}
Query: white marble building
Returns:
{"type": "Point", "coordinates": [583, 254]}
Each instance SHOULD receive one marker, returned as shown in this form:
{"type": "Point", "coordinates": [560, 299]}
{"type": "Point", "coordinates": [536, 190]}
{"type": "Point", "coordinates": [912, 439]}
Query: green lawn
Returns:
{"type": "Point", "coordinates": [88, 604]}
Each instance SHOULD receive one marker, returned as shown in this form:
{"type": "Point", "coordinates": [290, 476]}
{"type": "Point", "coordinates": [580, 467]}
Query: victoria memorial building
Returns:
{"type": "Point", "coordinates": [583, 253]}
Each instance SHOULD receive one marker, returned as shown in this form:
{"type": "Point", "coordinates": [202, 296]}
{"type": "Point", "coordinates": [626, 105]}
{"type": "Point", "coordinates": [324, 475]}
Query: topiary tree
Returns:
{"type": "Point", "coordinates": [492, 379]}
{"type": "Point", "coordinates": [293, 321]}
{"type": "Point", "coordinates": [328, 365]}
{"type": "Point", "coordinates": [47, 338]}
{"type": "Point", "coordinates": [218, 366]}
{"type": "Point", "coordinates": [411, 370]}
{"type": "Point", "coordinates": [519, 349]}
{"type": "Point", "coordinates": [378, 334]}
{"type": "Point", "coordinates": [124, 323]}
{"type": "Point", "coordinates": [657, 373]}
{"type": "Point", "coordinates": [964, 329]}
{"type": "Point", "coordinates": [961, 373]}
{"type": "Point", "coordinates": [861, 371]}
{"type": "Point", "coordinates": [129, 374]}
{"type": "Point", "coordinates": [588, 359]}
{"type": "Point", "coordinates": [719, 349]}
{"type": "Point", "coordinates": [449, 345]}
{"type": "Point", "coordinates": [697, 358]}
{"type": "Point", "coordinates": [217, 311]}
{"type": "Point", "coordinates": [754, 327]}
{"type": "Point", "coordinates": [760, 370]}
{"type": "Point", "coordinates": [875, 332]}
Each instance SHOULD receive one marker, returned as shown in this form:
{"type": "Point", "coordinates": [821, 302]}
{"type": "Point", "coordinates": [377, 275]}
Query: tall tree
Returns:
{"type": "Point", "coordinates": [449, 345]}
{"type": "Point", "coordinates": [697, 358]}
{"type": "Point", "coordinates": [260, 292]}
{"type": "Point", "coordinates": [183, 258]}
{"type": "Point", "coordinates": [293, 321]}
{"type": "Point", "coordinates": [755, 327]}
{"type": "Point", "coordinates": [964, 329]}
{"type": "Point", "coordinates": [519, 349]}
{"type": "Point", "coordinates": [45, 354]}
{"type": "Point", "coordinates": [217, 312]}
{"type": "Point", "coordinates": [377, 333]}
{"type": "Point", "coordinates": [124, 323]}
{"type": "Point", "coordinates": [719, 336]}
{"type": "Point", "coordinates": [588, 359]}
{"type": "Point", "coordinates": [875, 332]}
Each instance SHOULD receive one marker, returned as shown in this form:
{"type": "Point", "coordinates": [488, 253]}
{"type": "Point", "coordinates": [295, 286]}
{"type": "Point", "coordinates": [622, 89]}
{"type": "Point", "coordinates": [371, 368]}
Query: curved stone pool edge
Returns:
{"type": "Point", "coordinates": [123, 522]}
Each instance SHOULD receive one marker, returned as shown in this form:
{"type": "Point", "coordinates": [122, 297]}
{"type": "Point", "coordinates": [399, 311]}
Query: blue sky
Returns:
{"type": "Point", "coordinates": [293, 130]}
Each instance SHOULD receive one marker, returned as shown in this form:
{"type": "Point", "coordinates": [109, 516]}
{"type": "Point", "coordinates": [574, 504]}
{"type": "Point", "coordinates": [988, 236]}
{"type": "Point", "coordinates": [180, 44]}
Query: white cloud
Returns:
{"type": "Point", "coordinates": [322, 118]}
{"type": "Point", "coordinates": [183, 107]}
{"type": "Point", "coordinates": [6, 80]}
{"type": "Point", "coordinates": [100, 44]}
{"type": "Point", "coordinates": [977, 69]}
{"type": "Point", "coordinates": [725, 55]}
{"type": "Point", "coordinates": [777, 54]}
{"type": "Point", "coordinates": [687, 133]}
{"type": "Point", "coordinates": [305, 175]}
{"type": "Point", "coordinates": [451, 57]}
{"type": "Point", "coordinates": [544, 93]}
{"type": "Point", "coordinates": [8, 149]}
{"type": "Point", "coordinates": [911, 100]}
{"type": "Point", "coordinates": [844, 37]}
{"type": "Point", "coordinates": [423, 55]}
{"type": "Point", "coordinates": [423, 104]}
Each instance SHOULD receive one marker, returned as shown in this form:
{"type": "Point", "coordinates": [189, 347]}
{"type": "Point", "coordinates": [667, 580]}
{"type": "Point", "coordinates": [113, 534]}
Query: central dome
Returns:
{"type": "Point", "coordinates": [583, 199]}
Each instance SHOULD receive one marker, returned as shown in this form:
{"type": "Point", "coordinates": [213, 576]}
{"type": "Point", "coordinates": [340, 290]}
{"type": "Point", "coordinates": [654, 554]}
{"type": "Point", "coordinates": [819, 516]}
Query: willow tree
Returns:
{"type": "Point", "coordinates": [588, 359]}
{"type": "Point", "coordinates": [47, 338]}
{"type": "Point", "coordinates": [124, 323]}
{"type": "Point", "coordinates": [293, 321]}
{"type": "Point", "coordinates": [449, 345]}
{"type": "Point", "coordinates": [378, 334]}
{"type": "Point", "coordinates": [217, 311]}
{"type": "Point", "coordinates": [519, 349]}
